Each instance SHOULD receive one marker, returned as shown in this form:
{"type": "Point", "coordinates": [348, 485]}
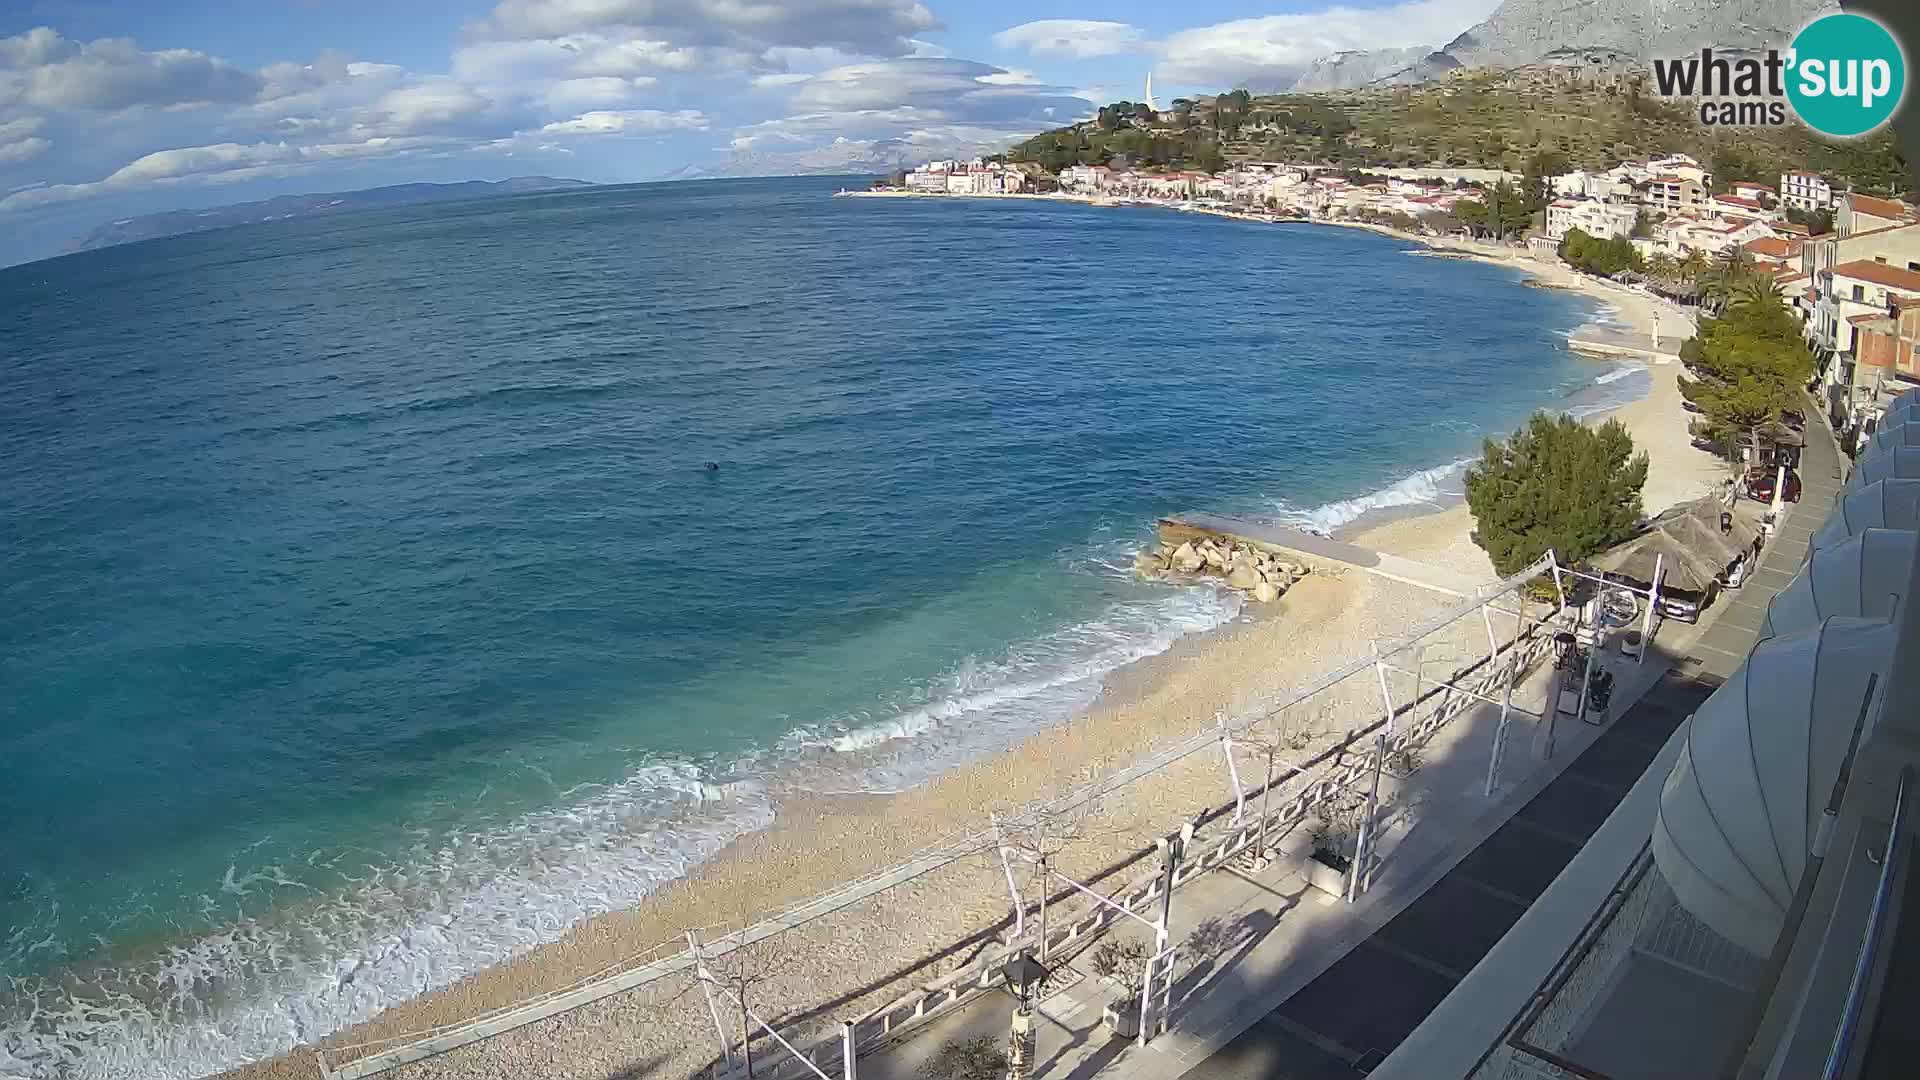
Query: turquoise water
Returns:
{"type": "Point", "coordinates": [368, 610]}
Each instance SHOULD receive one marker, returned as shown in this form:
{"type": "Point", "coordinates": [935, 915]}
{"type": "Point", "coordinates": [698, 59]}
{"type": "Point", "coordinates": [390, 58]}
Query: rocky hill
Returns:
{"type": "Point", "coordinates": [1612, 33]}
{"type": "Point", "coordinates": [1356, 68]}
{"type": "Point", "coordinates": [177, 222]}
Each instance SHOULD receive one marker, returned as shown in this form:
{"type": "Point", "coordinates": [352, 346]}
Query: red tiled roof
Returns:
{"type": "Point", "coordinates": [1870, 316]}
{"type": "Point", "coordinates": [1771, 246]}
{"type": "Point", "coordinates": [1881, 208]}
{"type": "Point", "coordinates": [1892, 277]}
{"type": "Point", "coordinates": [1737, 200]}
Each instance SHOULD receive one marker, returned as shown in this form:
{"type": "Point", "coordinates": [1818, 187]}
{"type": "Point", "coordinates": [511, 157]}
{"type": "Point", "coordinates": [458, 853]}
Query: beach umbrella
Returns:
{"type": "Point", "coordinates": [1902, 463]}
{"type": "Point", "coordinates": [1882, 504]}
{"type": "Point", "coordinates": [1850, 579]}
{"type": "Point", "coordinates": [1741, 806]}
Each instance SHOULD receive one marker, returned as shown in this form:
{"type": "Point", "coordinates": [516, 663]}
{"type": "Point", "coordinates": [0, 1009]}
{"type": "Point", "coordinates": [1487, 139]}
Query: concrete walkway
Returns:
{"type": "Point", "coordinates": [1738, 615]}
{"type": "Point", "coordinates": [1348, 1020]}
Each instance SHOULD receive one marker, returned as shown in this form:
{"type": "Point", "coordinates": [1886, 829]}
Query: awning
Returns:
{"type": "Point", "coordinates": [1689, 544]}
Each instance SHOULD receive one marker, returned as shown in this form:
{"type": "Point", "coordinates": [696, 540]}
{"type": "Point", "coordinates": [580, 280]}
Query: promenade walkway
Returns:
{"type": "Point", "coordinates": [1739, 614]}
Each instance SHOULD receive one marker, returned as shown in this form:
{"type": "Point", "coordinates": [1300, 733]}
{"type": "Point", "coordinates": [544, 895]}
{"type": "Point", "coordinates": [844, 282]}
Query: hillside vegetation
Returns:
{"type": "Point", "coordinates": [1483, 120]}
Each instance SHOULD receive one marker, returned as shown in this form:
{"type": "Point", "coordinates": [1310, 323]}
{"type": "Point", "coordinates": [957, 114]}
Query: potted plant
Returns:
{"type": "Point", "coordinates": [1404, 762]}
{"type": "Point", "coordinates": [1124, 965]}
{"type": "Point", "coordinates": [1334, 839]}
{"type": "Point", "coordinates": [981, 1058]}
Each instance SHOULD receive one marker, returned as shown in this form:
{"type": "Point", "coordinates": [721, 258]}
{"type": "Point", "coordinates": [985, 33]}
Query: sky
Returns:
{"type": "Point", "coordinates": [113, 108]}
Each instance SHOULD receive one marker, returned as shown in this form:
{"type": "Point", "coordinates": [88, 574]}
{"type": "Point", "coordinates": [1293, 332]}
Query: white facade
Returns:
{"type": "Point", "coordinates": [1805, 191]}
{"type": "Point", "coordinates": [1604, 220]}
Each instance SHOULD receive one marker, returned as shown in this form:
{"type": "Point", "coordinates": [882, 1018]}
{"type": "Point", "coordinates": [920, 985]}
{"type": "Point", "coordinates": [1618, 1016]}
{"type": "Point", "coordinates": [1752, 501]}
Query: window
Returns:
{"type": "Point", "coordinates": [1859, 292]}
{"type": "Point", "coordinates": [1881, 259]}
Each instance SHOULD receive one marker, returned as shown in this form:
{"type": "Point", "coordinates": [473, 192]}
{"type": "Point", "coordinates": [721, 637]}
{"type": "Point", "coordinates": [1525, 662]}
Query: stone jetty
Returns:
{"type": "Point", "coordinates": [1262, 574]}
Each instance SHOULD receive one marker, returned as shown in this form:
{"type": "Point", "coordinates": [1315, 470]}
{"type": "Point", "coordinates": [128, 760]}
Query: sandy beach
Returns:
{"type": "Point", "coordinates": [844, 965]}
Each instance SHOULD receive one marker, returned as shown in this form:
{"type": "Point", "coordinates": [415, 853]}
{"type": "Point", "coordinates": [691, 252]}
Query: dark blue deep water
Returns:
{"type": "Point", "coordinates": [368, 611]}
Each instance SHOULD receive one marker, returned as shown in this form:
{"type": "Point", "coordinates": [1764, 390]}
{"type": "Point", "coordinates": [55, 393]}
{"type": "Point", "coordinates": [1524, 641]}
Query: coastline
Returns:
{"type": "Point", "coordinates": [818, 841]}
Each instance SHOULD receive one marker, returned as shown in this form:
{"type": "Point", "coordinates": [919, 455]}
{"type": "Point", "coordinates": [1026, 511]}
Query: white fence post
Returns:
{"type": "Point", "coordinates": [1013, 890]}
{"type": "Point", "coordinates": [1233, 771]}
{"type": "Point", "coordinates": [1500, 730]}
{"type": "Point", "coordinates": [1653, 604]}
{"type": "Point", "coordinates": [1363, 848]}
{"type": "Point", "coordinates": [849, 1052]}
{"type": "Point", "coordinates": [1386, 695]}
{"type": "Point", "coordinates": [705, 979]}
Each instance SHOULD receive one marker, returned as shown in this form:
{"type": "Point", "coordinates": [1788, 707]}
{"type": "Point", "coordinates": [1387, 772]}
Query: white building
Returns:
{"type": "Point", "coordinates": [1805, 190]}
{"type": "Point", "coordinates": [1604, 220]}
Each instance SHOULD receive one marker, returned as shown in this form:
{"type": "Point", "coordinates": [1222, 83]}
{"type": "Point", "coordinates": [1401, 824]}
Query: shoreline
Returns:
{"type": "Point", "coordinates": [817, 841]}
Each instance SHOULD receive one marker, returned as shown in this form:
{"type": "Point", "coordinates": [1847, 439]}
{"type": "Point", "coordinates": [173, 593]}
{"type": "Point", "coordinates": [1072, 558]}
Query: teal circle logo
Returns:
{"type": "Point", "coordinates": [1846, 75]}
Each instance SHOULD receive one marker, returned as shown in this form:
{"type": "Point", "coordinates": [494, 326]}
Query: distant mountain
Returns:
{"type": "Point", "coordinates": [1608, 33]}
{"type": "Point", "coordinates": [1355, 68]}
{"type": "Point", "coordinates": [859, 157]}
{"type": "Point", "coordinates": [176, 222]}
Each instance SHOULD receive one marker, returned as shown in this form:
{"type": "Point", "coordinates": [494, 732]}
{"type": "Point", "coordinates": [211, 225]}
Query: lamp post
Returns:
{"type": "Point", "coordinates": [1023, 974]}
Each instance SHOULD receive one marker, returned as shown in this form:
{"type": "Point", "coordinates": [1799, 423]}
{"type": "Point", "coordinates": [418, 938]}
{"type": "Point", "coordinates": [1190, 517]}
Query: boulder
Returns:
{"type": "Point", "coordinates": [1265, 592]}
{"type": "Point", "coordinates": [1244, 576]}
{"type": "Point", "coordinates": [1148, 563]}
{"type": "Point", "coordinates": [1187, 559]}
{"type": "Point", "coordinates": [1215, 557]}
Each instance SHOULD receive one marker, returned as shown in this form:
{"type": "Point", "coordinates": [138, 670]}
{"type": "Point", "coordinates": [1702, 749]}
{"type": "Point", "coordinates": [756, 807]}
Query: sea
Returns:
{"type": "Point", "coordinates": [383, 594]}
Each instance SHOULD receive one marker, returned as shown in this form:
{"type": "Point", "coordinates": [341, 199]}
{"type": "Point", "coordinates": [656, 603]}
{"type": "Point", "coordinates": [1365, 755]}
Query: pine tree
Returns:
{"type": "Point", "coordinates": [1557, 484]}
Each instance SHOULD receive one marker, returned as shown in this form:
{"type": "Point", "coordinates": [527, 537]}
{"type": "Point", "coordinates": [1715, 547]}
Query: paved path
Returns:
{"type": "Point", "coordinates": [1724, 644]}
{"type": "Point", "coordinates": [1346, 1021]}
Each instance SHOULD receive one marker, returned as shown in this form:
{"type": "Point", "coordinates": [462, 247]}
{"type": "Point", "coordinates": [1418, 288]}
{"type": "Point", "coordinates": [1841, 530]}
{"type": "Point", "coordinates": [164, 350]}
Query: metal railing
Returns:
{"type": "Point", "coordinates": [1869, 956]}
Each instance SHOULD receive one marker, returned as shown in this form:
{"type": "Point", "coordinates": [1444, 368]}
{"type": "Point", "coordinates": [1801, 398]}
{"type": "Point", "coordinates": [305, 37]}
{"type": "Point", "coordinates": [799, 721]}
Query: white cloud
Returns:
{"type": "Point", "coordinates": [19, 150]}
{"type": "Point", "coordinates": [864, 27]}
{"type": "Point", "coordinates": [18, 142]}
{"type": "Point", "coordinates": [42, 68]}
{"type": "Point", "coordinates": [628, 122]}
{"type": "Point", "coordinates": [784, 78]}
{"type": "Point", "coordinates": [603, 91]}
{"type": "Point", "coordinates": [1272, 50]}
{"type": "Point", "coordinates": [1078, 38]}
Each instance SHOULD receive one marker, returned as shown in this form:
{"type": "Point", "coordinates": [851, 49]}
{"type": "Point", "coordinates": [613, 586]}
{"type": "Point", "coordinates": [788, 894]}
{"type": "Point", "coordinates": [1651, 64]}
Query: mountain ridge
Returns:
{"type": "Point", "coordinates": [1607, 33]}
{"type": "Point", "coordinates": [282, 207]}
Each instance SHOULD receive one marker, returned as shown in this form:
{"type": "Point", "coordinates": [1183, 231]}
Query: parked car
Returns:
{"type": "Point", "coordinates": [1794, 419]}
{"type": "Point", "coordinates": [1679, 607]}
{"type": "Point", "coordinates": [1760, 488]}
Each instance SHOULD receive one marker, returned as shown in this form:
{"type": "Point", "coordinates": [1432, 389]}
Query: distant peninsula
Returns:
{"type": "Point", "coordinates": [177, 222]}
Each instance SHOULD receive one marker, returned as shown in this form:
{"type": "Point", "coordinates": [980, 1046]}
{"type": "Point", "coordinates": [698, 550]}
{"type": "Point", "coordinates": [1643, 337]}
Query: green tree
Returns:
{"type": "Point", "coordinates": [1556, 484]}
{"type": "Point", "coordinates": [1818, 222]}
{"type": "Point", "coordinates": [1750, 359]}
{"type": "Point", "coordinates": [1596, 256]}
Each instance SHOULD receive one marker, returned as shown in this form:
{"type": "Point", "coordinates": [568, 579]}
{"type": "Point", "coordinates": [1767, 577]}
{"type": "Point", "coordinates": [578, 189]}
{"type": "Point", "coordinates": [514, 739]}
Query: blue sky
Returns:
{"type": "Point", "coordinates": [110, 108]}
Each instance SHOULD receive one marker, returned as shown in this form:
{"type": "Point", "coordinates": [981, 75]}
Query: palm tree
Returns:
{"type": "Point", "coordinates": [1663, 267]}
{"type": "Point", "coordinates": [1752, 290]}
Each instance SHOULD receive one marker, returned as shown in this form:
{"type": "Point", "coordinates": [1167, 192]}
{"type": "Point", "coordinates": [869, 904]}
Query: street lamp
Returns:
{"type": "Point", "coordinates": [1024, 974]}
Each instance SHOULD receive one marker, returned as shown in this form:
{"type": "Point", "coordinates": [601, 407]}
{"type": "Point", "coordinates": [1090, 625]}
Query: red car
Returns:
{"type": "Point", "coordinates": [1760, 488]}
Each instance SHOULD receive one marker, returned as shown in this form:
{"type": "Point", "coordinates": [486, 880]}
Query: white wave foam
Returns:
{"type": "Point", "coordinates": [1618, 373]}
{"type": "Point", "coordinates": [982, 706]}
{"type": "Point", "coordinates": [1426, 487]}
{"type": "Point", "coordinates": [263, 986]}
